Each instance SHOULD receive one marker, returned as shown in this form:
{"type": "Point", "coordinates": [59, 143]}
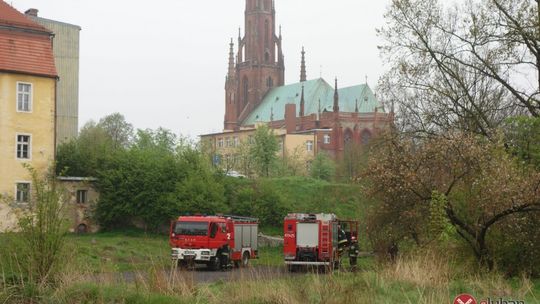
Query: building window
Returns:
{"type": "Point", "coordinates": [269, 82]}
{"type": "Point", "coordinates": [246, 90]}
{"type": "Point", "coordinates": [24, 97]}
{"type": "Point", "coordinates": [220, 142]}
{"type": "Point", "coordinates": [309, 145]}
{"type": "Point", "coordinates": [228, 142]}
{"type": "Point", "coordinates": [23, 146]}
{"type": "Point", "coordinates": [235, 142]}
{"type": "Point", "coordinates": [326, 139]}
{"type": "Point", "coordinates": [23, 193]}
{"type": "Point", "coordinates": [365, 137]}
{"type": "Point", "coordinates": [281, 145]}
{"type": "Point", "coordinates": [82, 196]}
{"type": "Point", "coordinates": [251, 140]}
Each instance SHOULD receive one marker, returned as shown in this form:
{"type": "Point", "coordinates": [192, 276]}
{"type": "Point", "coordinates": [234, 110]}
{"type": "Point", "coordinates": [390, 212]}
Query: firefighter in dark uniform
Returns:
{"type": "Point", "coordinates": [342, 240]}
{"type": "Point", "coordinates": [354, 252]}
{"type": "Point", "coordinates": [225, 257]}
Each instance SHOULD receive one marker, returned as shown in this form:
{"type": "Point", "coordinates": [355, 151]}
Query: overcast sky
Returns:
{"type": "Point", "coordinates": [163, 62]}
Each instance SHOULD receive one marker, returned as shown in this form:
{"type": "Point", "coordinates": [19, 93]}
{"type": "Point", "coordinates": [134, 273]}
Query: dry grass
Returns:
{"type": "Point", "coordinates": [424, 270]}
{"type": "Point", "coordinates": [424, 278]}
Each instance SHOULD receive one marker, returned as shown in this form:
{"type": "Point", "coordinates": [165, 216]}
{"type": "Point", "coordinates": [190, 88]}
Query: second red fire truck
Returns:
{"type": "Point", "coordinates": [215, 241]}
{"type": "Point", "coordinates": [318, 240]}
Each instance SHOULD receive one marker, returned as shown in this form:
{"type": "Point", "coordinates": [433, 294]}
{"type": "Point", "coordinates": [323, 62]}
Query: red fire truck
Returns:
{"type": "Point", "coordinates": [318, 240]}
{"type": "Point", "coordinates": [216, 241]}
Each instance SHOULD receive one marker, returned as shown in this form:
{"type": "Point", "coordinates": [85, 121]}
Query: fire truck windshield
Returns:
{"type": "Point", "coordinates": [191, 228]}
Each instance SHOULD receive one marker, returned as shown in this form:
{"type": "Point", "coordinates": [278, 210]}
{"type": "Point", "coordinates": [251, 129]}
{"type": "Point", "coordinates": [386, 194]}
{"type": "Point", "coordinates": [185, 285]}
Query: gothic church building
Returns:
{"type": "Point", "coordinates": [255, 93]}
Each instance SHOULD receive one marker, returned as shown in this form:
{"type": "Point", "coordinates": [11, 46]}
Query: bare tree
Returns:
{"type": "Point", "coordinates": [476, 182]}
{"type": "Point", "coordinates": [468, 66]}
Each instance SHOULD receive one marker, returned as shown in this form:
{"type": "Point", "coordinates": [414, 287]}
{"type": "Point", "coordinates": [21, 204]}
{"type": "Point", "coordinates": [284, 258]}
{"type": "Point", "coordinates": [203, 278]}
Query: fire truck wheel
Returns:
{"type": "Point", "coordinates": [215, 264]}
{"type": "Point", "coordinates": [292, 268]}
{"type": "Point", "coordinates": [182, 265]}
{"type": "Point", "coordinates": [245, 259]}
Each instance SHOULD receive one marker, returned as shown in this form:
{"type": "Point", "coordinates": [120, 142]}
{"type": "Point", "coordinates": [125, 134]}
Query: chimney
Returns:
{"type": "Point", "coordinates": [290, 117]}
{"type": "Point", "coordinates": [31, 12]}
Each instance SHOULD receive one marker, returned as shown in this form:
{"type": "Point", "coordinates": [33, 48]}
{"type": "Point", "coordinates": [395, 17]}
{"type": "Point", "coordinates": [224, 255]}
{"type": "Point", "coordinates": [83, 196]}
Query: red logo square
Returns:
{"type": "Point", "coordinates": [465, 299]}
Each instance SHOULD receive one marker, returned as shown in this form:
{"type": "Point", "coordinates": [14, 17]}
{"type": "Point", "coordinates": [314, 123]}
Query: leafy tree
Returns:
{"type": "Point", "coordinates": [84, 155]}
{"type": "Point", "coordinates": [264, 150]}
{"type": "Point", "coordinates": [322, 167]}
{"type": "Point", "coordinates": [293, 163]}
{"type": "Point", "coordinates": [138, 184]}
{"type": "Point", "coordinates": [461, 67]}
{"type": "Point", "coordinates": [161, 139]}
{"type": "Point", "coordinates": [201, 190]}
{"type": "Point", "coordinates": [245, 162]}
{"type": "Point", "coordinates": [523, 139]}
{"type": "Point", "coordinates": [478, 184]}
{"type": "Point", "coordinates": [262, 201]}
{"type": "Point", "coordinates": [354, 159]}
{"type": "Point", "coordinates": [119, 131]}
{"type": "Point", "coordinates": [155, 180]}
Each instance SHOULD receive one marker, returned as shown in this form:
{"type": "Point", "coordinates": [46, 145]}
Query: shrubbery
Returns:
{"type": "Point", "coordinates": [31, 257]}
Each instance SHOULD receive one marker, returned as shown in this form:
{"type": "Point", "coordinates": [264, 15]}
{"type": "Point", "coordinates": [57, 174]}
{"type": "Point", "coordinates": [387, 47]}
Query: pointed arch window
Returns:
{"type": "Point", "coordinates": [245, 85]}
{"type": "Point", "coordinates": [365, 137]}
{"type": "Point", "coordinates": [266, 33]}
{"type": "Point", "coordinates": [348, 138]}
{"type": "Point", "coordinates": [270, 82]}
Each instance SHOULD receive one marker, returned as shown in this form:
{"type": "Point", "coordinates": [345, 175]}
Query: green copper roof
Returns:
{"type": "Point", "coordinates": [314, 90]}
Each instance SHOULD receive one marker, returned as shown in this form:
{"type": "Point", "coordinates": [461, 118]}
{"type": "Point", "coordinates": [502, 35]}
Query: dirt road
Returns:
{"type": "Point", "coordinates": [197, 276]}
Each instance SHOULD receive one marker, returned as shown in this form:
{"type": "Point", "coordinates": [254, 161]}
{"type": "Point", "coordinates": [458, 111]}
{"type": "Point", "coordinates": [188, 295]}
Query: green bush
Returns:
{"type": "Point", "coordinates": [31, 258]}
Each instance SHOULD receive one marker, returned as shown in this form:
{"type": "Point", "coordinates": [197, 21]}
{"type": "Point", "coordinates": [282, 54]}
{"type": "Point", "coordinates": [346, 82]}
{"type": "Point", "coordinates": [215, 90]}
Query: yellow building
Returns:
{"type": "Point", "coordinates": [230, 149]}
{"type": "Point", "coordinates": [27, 107]}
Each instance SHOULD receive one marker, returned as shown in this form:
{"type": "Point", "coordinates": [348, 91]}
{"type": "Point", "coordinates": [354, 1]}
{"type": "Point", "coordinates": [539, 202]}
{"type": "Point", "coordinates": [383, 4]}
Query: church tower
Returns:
{"type": "Point", "coordinates": [259, 63]}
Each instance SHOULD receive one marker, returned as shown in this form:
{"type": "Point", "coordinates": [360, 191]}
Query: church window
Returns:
{"type": "Point", "coordinates": [266, 34]}
{"type": "Point", "coordinates": [235, 142]}
{"type": "Point", "coordinates": [220, 142]}
{"type": "Point", "coordinates": [270, 82]}
{"type": "Point", "coordinates": [365, 137]}
{"type": "Point", "coordinates": [246, 90]}
{"type": "Point", "coordinates": [266, 57]}
{"type": "Point", "coordinates": [228, 142]}
{"type": "Point", "coordinates": [348, 137]}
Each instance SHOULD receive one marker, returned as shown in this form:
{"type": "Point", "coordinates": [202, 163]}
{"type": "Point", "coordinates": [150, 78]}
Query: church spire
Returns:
{"type": "Point", "coordinates": [231, 59]}
{"type": "Point", "coordinates": [302, 103]}
{"type": "Point", "coordinates": [303, 76]}
{"type": "Point", "coordinates": [336, 98]}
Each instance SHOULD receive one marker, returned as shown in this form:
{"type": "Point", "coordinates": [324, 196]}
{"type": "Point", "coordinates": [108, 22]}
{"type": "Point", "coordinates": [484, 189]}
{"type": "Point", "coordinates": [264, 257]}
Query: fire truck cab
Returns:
{"type": "Point", "coordinates": [215, 241]}
{"type": "Point", "coordinates": [317, 239]}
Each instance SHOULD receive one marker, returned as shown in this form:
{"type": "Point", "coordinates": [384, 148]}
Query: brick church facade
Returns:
{"type": "Point", "coordinates": [255, 92]}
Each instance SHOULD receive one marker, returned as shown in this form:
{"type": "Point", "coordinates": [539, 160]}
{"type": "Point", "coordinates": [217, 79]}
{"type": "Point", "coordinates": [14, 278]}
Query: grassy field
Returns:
{"type": "Point", "coordinates": [133, 251]}
{"type": "Point", "coordinates": [422, 279]}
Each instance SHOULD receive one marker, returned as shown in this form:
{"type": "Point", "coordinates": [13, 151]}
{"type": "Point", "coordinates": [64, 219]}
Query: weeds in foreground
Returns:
{"type": "Point", "coordinates": [423, 278]}
{"type": "Point", "coordinates": [32, 259]}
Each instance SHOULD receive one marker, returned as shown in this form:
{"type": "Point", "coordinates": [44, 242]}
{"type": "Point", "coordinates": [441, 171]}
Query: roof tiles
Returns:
{"type": "Point", "coordinates": [273, 103]}
{"type": "Point", "coordinates": [25, 46]}
{"type": "Point", "coordinates": [11, 17]}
